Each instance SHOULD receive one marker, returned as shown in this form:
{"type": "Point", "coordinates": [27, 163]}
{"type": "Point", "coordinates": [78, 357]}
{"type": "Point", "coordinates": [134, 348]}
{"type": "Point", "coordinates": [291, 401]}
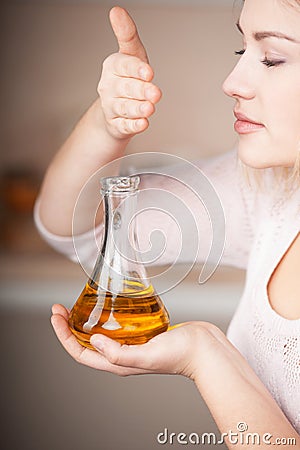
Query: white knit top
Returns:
{"type": "Point", "coordinates": [261, 224]}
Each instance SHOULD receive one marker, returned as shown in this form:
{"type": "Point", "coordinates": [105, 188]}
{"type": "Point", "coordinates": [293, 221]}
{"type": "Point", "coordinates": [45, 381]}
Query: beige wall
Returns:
{"type": "Point", "coordinates": [51, 62]}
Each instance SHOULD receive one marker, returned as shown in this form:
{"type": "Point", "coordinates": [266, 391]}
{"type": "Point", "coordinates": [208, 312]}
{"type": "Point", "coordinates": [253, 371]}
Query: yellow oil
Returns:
{"type": "Point", "coordinates": [132, 317]}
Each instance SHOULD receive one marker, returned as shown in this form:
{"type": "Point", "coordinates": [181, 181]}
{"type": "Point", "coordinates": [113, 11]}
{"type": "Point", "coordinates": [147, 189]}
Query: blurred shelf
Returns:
{"type": "Point", "coordinates": [36, 281]}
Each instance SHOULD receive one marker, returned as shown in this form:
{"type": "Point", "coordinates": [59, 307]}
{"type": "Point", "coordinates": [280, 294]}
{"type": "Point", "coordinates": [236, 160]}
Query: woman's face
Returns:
{"type": "Point", "coordinates": [266, 84]}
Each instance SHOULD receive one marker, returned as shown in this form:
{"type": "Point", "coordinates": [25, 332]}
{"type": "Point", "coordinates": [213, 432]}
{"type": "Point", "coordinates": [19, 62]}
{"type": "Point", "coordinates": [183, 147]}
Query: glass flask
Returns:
{"type": "Point", "coordinates": [118, 299]}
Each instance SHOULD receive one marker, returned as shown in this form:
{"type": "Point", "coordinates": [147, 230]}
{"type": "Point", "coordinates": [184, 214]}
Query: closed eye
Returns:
{"type": "Point", "coordinates": [272, 62]}
{"type": "Point", "coordinates": [266, 61]}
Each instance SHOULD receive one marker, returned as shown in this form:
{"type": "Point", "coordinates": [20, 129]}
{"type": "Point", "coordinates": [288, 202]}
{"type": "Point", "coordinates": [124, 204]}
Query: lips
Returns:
{"type": "Point", "coordinates": [244, 118]}
{"type": "Point", "coordinates": [245, 124]}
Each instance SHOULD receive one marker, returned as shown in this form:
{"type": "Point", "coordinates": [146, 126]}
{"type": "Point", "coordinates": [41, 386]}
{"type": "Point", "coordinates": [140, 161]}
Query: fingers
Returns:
{"type": "Point", "coordinates": [82, 355]}
{"type": "Point", "coordinates": [129, 127]}
{"type": "Point", "coordinates": [126, 33]}
{"type": "Point", "coordinates": [121, 355]}
{"type": "Point", "coordinates": [131, 109]}
{"type": "Point", "coordinates": [137, 89]}
{"type": "Point", "coordinates": [149, 356]}
{"type": "Point", "coordinates": [127, 99]}
{"type": "Point", "coordinates": [61, 310]}
{"type": "Point", "coordinates": [169, 352]}
{"type": "Point", "coordinates": [129, 66]}
{"type": "Point", "coordinates": [125, 76]}
{"type": "Point", "coordinates": [65, 336]}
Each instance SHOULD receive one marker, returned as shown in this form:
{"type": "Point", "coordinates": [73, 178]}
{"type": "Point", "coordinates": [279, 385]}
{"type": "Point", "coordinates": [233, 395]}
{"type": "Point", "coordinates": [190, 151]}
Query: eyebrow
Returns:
{"type": "Point", "coordinates": [260, 35]}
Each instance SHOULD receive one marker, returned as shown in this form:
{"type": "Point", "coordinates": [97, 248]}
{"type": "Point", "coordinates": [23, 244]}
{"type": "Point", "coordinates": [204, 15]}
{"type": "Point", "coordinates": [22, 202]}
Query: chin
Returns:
{"type": "Point", "coordinates": [253, 158]}
{"type": "Point", "coordinates": [261, 156]}
{"type": "Point", "coordinates": [259, 153]}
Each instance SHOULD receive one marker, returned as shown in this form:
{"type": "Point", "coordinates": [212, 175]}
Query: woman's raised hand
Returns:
{"type": "Point", "coordinates": [126, 91]}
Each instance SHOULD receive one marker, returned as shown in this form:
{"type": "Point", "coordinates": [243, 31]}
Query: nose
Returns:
{"type": "Point", "coordinates": [240, 82]}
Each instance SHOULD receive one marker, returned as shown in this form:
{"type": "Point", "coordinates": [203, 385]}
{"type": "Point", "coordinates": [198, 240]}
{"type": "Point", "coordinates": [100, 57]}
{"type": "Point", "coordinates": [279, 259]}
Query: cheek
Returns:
{"type": "Point", "coordinates": [279, 143]}
{"type": "Point", "coordinates": [284, 115]}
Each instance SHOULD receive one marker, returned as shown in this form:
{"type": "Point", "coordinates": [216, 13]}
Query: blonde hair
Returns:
{"type": "Point", "coordinates": [287, 178]}
{"type": "Point", "coordinates": [291, 176]}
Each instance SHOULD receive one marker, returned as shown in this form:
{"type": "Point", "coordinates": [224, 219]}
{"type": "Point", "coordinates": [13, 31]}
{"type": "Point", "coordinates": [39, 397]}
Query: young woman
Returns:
{"type": "Point", "coordinates": [253, 374]}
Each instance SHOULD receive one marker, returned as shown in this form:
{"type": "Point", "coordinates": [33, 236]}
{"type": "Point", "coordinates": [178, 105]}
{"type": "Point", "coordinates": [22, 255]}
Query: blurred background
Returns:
{"type": "Point", "coordinates": [51, 57]}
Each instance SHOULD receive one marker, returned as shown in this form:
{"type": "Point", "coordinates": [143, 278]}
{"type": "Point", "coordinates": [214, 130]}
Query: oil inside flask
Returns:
{"type": "Point", "coordinates": [118, 299]}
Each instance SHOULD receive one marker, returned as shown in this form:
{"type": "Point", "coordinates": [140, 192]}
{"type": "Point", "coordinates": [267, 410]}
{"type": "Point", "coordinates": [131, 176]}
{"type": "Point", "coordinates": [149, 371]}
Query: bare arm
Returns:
{"type": "Point", "coordinates": [126, 100]}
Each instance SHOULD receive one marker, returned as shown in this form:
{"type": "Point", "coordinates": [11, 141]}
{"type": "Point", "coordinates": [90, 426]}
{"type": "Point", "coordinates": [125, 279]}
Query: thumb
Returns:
{"type": "Point", "coordinates": [126, 33]}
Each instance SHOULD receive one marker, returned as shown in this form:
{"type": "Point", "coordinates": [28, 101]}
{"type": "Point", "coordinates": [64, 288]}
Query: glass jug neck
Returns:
{"type": "Point", "coordinates": [120, 203]}
{"type": "Point", "coordinates": [119, 215]}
